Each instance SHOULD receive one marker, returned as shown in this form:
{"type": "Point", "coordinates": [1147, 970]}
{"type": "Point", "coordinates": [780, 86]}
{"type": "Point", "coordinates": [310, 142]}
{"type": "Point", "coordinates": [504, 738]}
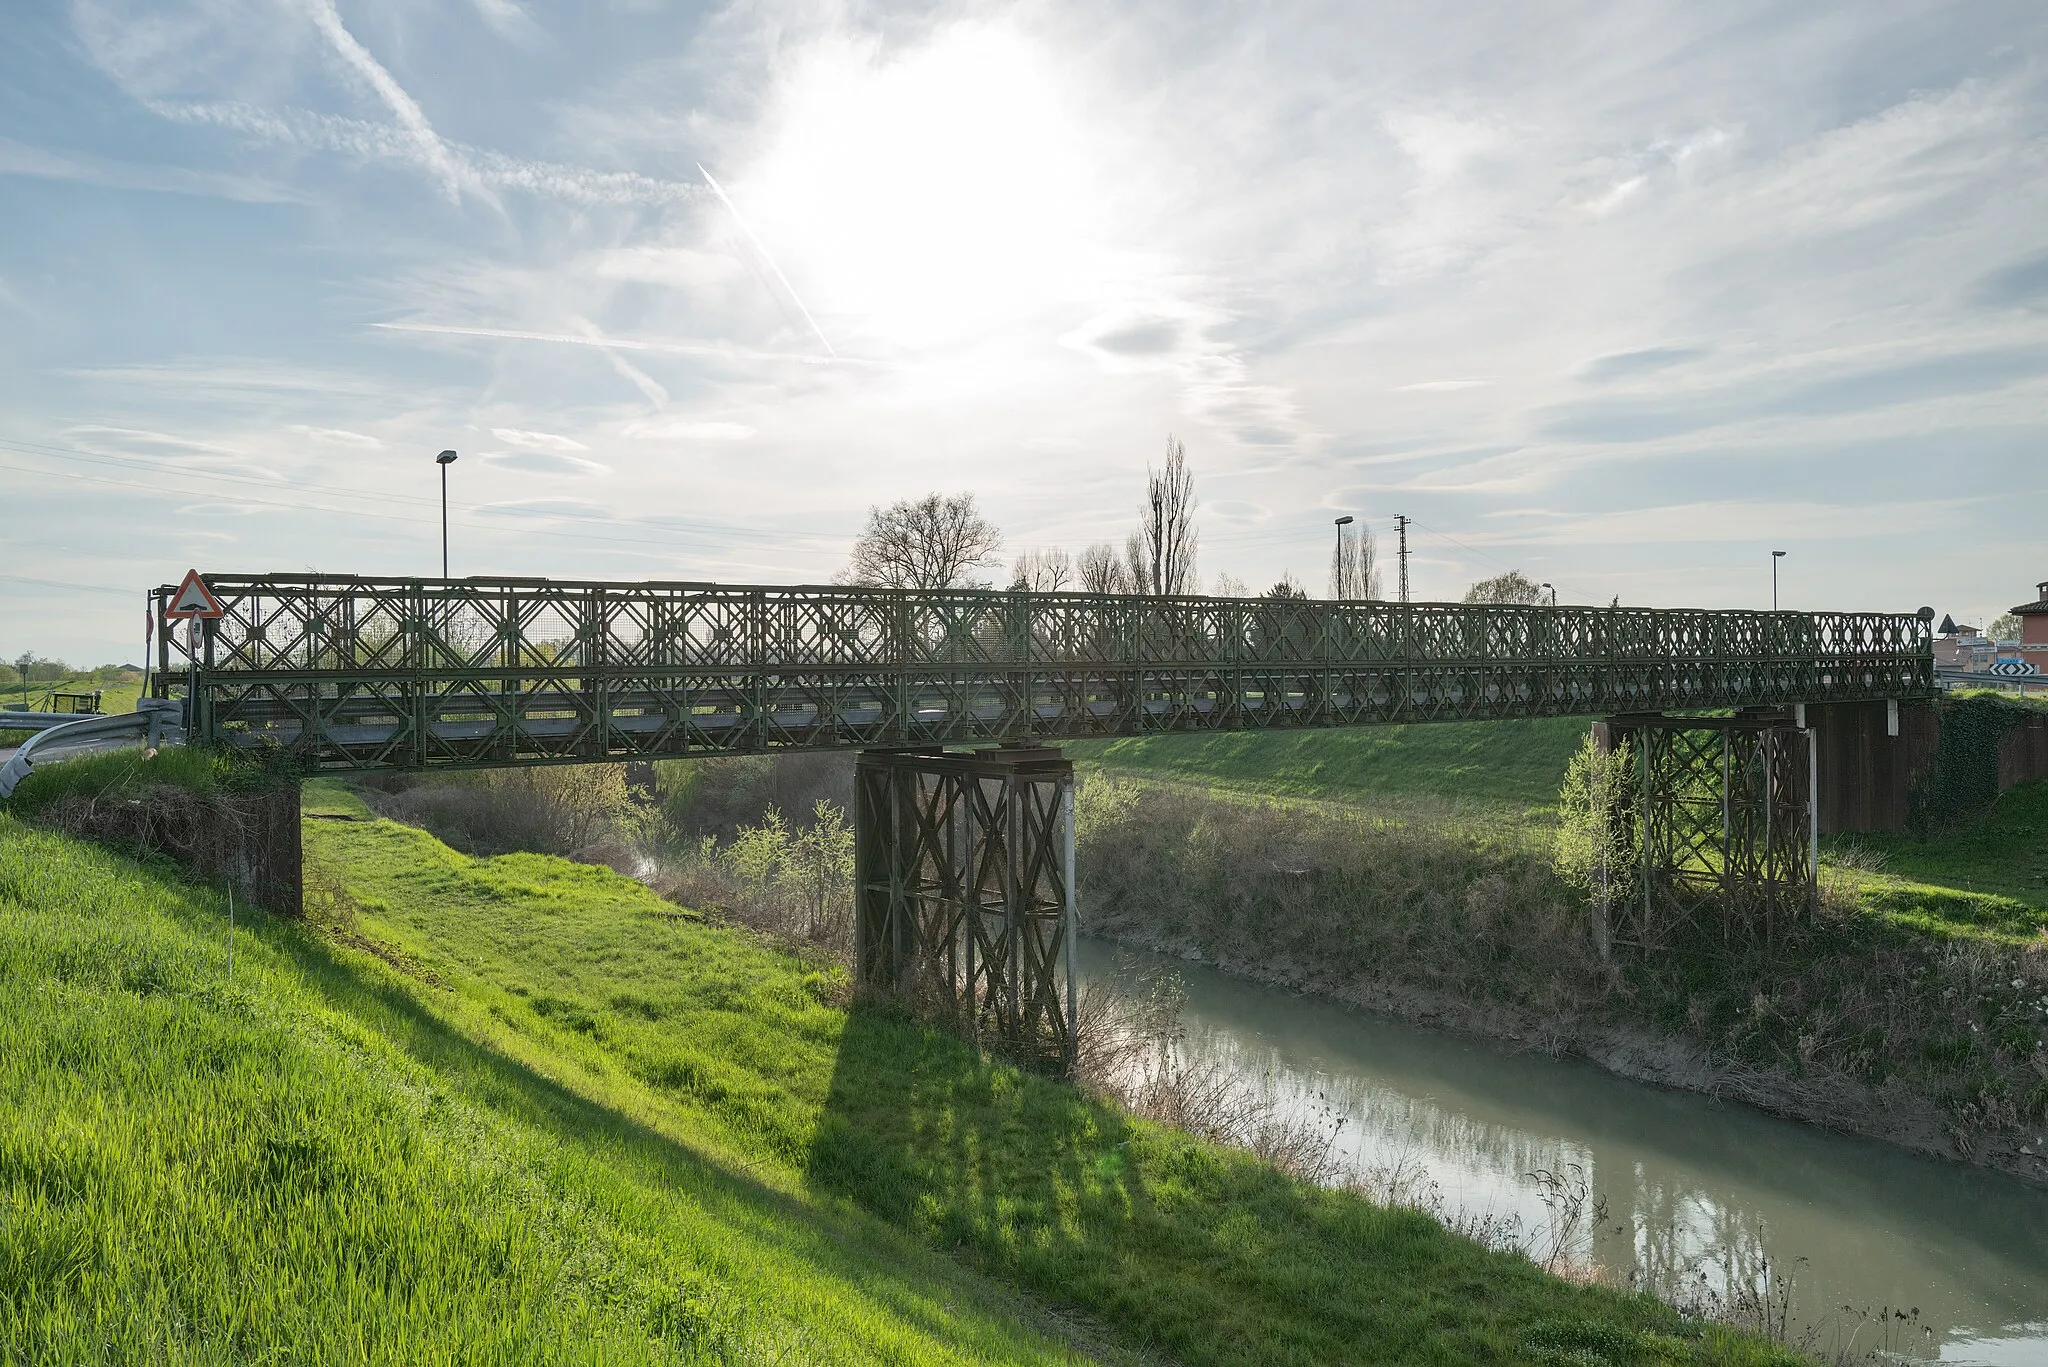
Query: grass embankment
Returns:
{"type": "Point", "coordinates": [517, 1107]}
{"type": "Point", "coordinates": [1505, 766]}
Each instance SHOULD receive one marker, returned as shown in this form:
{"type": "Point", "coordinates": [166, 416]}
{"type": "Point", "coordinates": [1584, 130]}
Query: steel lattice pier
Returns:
{"type": "Point", "coordinates": [1720, 814]}
{"type": "Point", "coordinates": [964, 891]}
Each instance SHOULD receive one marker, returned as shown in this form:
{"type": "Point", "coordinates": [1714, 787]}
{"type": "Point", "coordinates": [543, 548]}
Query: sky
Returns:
{"type": "Point", "coordinates": [1623, 296]}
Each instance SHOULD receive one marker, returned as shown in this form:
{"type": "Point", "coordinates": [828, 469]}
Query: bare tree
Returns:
{"type": "Point", "coordinates": [1230, 586]}
{"type": "Point", "coordinates": [1354, 565]}
{"type": "Point", "coordinates": [1167, 535]}
{"type": "Point", "coordinates": [927, 543]}
{"type": "Point", "coordinates": [1512, 587]}
{"type": "Point", "coordinates": [1100, 571]}
{"type": "Point", "coordinates": [1043, 571]}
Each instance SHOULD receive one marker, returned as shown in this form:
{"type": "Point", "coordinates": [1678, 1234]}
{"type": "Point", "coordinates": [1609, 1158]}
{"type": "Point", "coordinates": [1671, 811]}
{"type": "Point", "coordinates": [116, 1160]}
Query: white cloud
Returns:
{"type": "Point", "coordinates": [544, 463]}
{"type": "Point", "coordinates": [688, 429]}
{"type": "Point", "coordinates": [337, 436]}
{"type": "Point", "coordinates": [537, 441]}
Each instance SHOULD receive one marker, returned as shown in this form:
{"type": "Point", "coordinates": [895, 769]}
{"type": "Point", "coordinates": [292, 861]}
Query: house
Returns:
{"type": "Point", "coordinates": [2034, 619]}
{"type": "Point", "coordinates": [2034, 627]}
{"type": "Point", "coordinates": [1961, 647]}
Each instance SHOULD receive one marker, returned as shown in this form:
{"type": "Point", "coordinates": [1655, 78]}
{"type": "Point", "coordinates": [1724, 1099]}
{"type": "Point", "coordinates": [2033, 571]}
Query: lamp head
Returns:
{"type": "Point", "coordinates": [1344, 520]}
{"type": "Point", "coordinates": [445, 458]}
{"type": "Point", "coordinates": [1776, 554]}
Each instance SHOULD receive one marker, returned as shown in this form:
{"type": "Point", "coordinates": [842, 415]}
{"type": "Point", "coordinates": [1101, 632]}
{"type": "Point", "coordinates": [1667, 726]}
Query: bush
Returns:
{"type": "Point", "coordinates": [795, 884]}
{"type": "Point", "coordinates": [569, 809]}
{"type": "Point", "coordinates": [717, 797]}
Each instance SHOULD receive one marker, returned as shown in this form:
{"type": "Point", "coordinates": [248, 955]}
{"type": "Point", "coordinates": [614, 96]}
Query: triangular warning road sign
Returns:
{"type": "Point", "coordinates": [193, 599]}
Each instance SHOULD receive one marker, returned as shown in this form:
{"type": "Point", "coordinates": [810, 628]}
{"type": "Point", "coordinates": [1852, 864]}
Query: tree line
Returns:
{"type": "Point", "coordinates": [944, 541]}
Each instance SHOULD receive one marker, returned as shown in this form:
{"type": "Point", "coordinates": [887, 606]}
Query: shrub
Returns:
{"type": "Point", "coordinates": [565, 809]}
{"type": "Point", "coordinates": [794, 884]}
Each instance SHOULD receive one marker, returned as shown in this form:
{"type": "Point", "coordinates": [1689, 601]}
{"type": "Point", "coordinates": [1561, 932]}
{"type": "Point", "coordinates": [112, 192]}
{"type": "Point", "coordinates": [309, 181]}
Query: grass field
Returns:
{"type": "Point", "coordinates": [522, 1108]}
{"type": "Point", "coordinates": [114, 697]}
{"type": "Point", "coordinates": [1512, 766]}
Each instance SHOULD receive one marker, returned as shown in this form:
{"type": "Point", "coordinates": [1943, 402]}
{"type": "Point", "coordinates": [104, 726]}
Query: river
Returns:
{"type": "Point", "coordinates": [1693, 1189]}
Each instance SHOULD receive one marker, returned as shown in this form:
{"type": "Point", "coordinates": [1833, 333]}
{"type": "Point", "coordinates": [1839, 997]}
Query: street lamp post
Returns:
{"type": "Point", "coordinates": [1776, 556]}
{"type": "Point", "coordinates": [1553, 594]}
{"type": "Point", "coordinates": [444, 460]}
{"type": "Point", "coordinates": [1341, 587]}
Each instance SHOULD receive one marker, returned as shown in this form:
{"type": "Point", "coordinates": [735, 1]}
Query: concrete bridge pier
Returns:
{"type": "Point", "coordinates": [964, 890]}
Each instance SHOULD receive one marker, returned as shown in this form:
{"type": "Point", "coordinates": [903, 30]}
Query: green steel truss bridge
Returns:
{"type": "Point", "coordinates": [344, 673]}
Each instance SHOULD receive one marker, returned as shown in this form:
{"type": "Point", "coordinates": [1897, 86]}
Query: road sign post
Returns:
{"type": "Point", "coordinates": [194, 602]}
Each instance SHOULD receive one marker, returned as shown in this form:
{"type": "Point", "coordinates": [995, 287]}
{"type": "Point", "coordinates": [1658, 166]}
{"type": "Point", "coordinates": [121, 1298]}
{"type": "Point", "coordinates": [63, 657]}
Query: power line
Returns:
{"type": "Point", "coordinates": [735, 530]}
{"type": "Point", "coordinates": [61, 584]}
{"type": "Point", "coordinates": [158, 487]}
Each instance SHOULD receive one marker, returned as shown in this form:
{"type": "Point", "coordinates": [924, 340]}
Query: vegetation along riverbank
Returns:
{"type": "Point", "coordinates": [1407, 874]}
{"type": "Point", "coordinates": [479, 1108]}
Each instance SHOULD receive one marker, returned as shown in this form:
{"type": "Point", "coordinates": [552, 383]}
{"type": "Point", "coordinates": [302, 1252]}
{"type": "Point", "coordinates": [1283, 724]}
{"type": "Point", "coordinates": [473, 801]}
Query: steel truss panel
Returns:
{"type": "Point", "coordinates": [1719, 812]}
{"type": "Point", "coordinates": [964, 891]}
{"type": "Point", "coordinates": [347, 673]}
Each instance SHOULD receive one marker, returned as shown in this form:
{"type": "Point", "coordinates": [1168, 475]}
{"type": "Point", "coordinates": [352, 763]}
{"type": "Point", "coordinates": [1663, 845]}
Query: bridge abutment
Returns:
{"type": "Point", "coordinates": [964, 891]}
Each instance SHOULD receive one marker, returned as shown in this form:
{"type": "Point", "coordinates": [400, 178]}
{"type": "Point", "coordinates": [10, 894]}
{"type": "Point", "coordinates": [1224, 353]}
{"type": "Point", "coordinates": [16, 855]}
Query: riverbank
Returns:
{"type": "Point", "coordinates": [479, 1101]}
{"type": "Point", "coordinates": [1905, 1011]}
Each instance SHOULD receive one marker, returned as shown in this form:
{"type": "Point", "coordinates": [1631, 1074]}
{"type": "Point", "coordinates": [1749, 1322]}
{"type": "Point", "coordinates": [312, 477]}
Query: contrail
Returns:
{"type": "Point", "coordinates": [630, 344]}
{"type": "Point", "coordinates": [433, 152]}
{"type": "Point", "coordinates": [719, 190]}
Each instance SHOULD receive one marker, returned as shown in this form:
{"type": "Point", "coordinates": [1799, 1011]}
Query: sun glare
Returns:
{"type": "Point", "coordinates": [924, 198]}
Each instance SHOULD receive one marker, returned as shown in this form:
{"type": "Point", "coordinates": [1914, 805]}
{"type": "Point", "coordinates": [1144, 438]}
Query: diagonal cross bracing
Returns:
{"type": "Point", "coordinates": [346, 673]}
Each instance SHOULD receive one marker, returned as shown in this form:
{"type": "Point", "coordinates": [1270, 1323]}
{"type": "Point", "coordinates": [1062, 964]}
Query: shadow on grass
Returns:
{"type": "Point", "coordinates": [835, 1245]}
{"type": "Point", "coordinates": [1184, 1248]}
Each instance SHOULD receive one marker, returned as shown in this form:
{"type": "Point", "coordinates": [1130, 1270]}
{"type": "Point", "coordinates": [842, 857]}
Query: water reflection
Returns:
{"type": "Point", "coordinates": [1696, 1194]}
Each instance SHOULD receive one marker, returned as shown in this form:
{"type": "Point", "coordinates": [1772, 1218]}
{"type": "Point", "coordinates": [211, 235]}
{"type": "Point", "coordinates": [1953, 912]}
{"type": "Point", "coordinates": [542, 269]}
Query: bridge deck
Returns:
{"type": "Point", "coordinates": [348, 673]}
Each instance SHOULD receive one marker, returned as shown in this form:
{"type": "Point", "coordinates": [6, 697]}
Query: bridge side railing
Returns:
{"type": "Point", "coordinates": [274, 624]}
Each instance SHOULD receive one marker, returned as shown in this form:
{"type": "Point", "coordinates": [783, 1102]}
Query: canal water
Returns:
{"type": "Point", "coordinates": [1697, 1194]}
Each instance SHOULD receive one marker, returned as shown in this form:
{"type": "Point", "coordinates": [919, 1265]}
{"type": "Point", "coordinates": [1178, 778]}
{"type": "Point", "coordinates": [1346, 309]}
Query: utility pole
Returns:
{"type": "Point", "coordinates": [1776, 556]}
{"type": "Point", "coordinates": [1401, 526]}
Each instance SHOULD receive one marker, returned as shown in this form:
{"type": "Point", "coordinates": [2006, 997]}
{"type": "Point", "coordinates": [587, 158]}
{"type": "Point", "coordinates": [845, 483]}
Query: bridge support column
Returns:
{"type": "Point", "coordinates": [964, 891]}
{"type": "Point", "coordinates": [1719, 815]}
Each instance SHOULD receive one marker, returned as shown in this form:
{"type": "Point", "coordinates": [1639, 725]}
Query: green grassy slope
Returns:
{"type": "Point", "coordinates": [521, 1108]}
{"type": "Point", "coordinates": [306, 1163]}
{"type": "Point", "coordinates": [702, 1034]}
{"type": "Point", "coordinates": [1988, 876]}
{"type": "Point", "coordinates": [1509, 765]}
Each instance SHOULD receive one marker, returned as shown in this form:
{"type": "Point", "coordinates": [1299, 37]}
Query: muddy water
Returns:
{"type": "Point", "coordinates": [1698, 1196]}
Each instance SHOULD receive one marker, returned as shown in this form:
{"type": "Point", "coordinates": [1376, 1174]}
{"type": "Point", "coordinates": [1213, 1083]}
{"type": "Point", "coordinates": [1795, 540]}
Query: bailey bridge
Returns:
{"type": "Point", "coordinates": [956, 698]}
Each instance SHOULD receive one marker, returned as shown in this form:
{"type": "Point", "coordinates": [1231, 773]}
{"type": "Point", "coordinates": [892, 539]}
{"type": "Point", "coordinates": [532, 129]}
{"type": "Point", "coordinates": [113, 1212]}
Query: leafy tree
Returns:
{"type": "Point", "coordinates": [2004, 627]}
{"type": "Point", "coordinates": [1596, 848]}
{"type": "Point", "coordinates": [934, 542]}
{"type": "Point", "coordinates": [1512, 587]}
{"type": "Point", "coordinates": [1287, 587]}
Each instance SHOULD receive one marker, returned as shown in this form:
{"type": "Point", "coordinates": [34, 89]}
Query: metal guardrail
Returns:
{"type": "Point", "coordinates": [11, 720]}
{"type": "Point", "coordinates": [361, 673]}
{"type": "Point", "coordinates": [154, 723]}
